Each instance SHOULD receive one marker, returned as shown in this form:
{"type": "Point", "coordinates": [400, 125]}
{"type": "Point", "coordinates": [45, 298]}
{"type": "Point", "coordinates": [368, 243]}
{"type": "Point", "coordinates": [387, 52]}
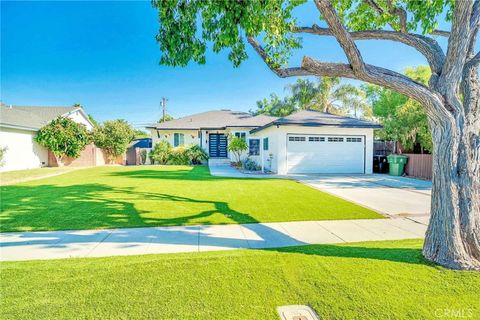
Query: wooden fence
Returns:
{"type": "Point", "coordinates": [419, 165]}
{"type": "Point", "coordinates": [90, 156]}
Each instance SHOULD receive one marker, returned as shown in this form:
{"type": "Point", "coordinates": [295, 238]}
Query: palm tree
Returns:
{"type": "Point", "coordinates": [328, 95]}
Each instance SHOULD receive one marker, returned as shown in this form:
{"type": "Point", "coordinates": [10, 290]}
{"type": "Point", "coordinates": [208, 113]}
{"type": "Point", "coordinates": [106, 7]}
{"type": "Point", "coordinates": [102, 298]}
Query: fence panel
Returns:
{"type": "Point", "coordinates": [419, 165]}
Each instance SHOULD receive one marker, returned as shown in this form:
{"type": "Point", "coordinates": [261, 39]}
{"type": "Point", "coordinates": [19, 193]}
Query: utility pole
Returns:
{"type": "Point", "coordinates": [163, 104]}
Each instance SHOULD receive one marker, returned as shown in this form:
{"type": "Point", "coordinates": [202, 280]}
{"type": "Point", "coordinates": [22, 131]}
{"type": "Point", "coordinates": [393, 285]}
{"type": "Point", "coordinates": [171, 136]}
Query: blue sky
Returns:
{"type": "Point", "coordinates": [103, 55]}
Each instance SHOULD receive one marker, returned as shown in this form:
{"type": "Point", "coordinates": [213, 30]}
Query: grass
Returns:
{"type": "Point", "coordinates": [30, 174]}
{"type": "Point", "coordinates": [376, 280]}
{"type": "Point", "coordinates": [113, 197]}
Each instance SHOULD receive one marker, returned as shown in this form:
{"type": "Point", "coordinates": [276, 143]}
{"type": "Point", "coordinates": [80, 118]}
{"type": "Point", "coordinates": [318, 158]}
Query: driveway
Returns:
{"type": "Point", "coordinates": [393, 196]}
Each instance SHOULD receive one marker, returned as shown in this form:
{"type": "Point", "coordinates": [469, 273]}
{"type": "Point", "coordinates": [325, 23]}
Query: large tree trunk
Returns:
{"type": "Point", "coordinates": [453, 235]}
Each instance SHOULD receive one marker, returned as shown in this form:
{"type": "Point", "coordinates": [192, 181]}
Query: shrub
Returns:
{"type": "Point", "coordinates": [160, 153]}
{"type": "Point", "coordinates": [195, 154]}
{"type": "Point", "coordinates": [64, 138]}
{"type": "Point", "coordinates": [250, 165]}
{"type": "Point", "coordinates": [237, 145]}
{"type": "Point", "coordinates": [143, 156]}
{"type": "Point", "coordinates": [178, 156]}
{"type": "Point", "coordinates": [113, 137]}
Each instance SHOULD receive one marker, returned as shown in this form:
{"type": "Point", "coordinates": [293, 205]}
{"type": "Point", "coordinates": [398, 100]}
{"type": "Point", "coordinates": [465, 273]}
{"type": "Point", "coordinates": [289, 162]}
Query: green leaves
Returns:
{"type": "Point", "coordinates": [186, 27]}
{"type": "Point", "coordinates": [403, 119]}
{"type": "Point", "coordinates": [189, 27]}
{"type": "Point", "coordinates": [113, 136]}
{"type": "Point", "coordinates": [64, 137]}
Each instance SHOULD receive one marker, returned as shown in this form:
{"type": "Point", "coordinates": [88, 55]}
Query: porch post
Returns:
{"type": "Point", "coordinates": [261, 155]}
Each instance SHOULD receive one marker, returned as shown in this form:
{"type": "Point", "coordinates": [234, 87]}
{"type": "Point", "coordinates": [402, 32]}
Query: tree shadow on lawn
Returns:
{"type": "Point", "coordinates": [93, 206]}
{"type": "Point", "coordinates": [404, 255]}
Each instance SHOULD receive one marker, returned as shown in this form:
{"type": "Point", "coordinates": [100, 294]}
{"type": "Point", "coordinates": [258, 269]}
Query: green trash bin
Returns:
{"type": "Point", "coordinates": [397, 163]}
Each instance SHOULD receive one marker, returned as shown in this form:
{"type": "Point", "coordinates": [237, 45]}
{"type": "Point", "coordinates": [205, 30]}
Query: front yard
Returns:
{"type": "Point", "coordinates": [376, 280]}
{"type": "Point", "coordinates": [115, 197]}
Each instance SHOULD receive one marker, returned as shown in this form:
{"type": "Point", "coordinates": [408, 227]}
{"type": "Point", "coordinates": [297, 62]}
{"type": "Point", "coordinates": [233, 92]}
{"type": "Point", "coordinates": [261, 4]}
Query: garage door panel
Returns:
{"type": "Point", "coordinates": [338, 155]}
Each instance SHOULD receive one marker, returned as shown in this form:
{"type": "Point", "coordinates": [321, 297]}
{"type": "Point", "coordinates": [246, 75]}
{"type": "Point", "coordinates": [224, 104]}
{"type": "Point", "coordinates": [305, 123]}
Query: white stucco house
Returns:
{"type": "Point", "coordinates": [307, 141]}
{"type": "Point", "coordinates": [18, 127]}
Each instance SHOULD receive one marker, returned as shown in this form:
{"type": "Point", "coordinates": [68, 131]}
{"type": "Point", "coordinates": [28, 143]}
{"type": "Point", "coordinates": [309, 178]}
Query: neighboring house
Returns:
{"type": "Point", "coordinates": [304, 142]}
{"type": "Point", "coordinates": [132, 154]}
{"type": "Point", "coordinates": [18, 127]}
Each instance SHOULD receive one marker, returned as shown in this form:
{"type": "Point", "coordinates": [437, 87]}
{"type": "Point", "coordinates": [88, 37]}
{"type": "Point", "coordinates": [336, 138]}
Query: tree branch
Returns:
{"type": "Point", "coordinates": [425, 45]}
{"type": "Point", "coordinates": [474, 61]}
{"type": "Point", "coordinates": [457, 53]}
{"type": "Point", "coordinates": [379, 76]}
{"type": "Point", "coordinates": [342, 35]}
{"type": "Point", "coordinates": [281, 72]}
{"type": "Point", "coordinates": [442, 33]}
{"type": "Point", "coordinates": [400, 13]}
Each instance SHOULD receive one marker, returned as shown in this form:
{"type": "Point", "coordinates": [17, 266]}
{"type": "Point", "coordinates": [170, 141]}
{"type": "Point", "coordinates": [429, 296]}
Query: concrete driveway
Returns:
{"type": "Point", "coordinates": [393, 196]}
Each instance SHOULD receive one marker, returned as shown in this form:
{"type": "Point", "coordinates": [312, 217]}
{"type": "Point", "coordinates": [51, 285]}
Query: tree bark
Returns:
{"type": "Point", "coordinates": [453, 235]}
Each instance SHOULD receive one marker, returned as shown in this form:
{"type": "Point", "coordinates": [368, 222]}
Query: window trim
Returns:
{"type": "Point", "coordinates": [250, 147]}
{"type": "Point", "coordinates": [178, 139]}
{"type": "Point", "coordinates": [241, 135]}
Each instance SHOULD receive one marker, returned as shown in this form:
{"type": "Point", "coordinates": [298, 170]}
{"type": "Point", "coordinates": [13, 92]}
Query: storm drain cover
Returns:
{"type": "Point", "coordinates": [297, 312]}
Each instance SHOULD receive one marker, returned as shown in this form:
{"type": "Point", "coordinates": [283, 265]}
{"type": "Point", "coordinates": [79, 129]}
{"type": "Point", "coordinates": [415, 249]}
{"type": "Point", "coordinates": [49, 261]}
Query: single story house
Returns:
{"type": "Point", "coordinates": [307, 141]}
{"type": "Point", "coordinates": [18, 127]}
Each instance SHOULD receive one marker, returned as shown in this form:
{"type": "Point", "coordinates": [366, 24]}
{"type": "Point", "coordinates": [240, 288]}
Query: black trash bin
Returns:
{"type": "Point", "coordinates": [383, 164]}
{"type": "Point", "coordinates": [380, 164]}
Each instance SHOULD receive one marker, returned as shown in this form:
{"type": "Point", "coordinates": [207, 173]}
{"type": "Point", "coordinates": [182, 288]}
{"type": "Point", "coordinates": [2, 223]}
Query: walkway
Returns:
{"type": "Point", "coordinates": [134, 241]}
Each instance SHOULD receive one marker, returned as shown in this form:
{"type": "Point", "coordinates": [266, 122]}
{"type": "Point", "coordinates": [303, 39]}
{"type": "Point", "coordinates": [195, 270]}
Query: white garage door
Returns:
{"type": "Point", "coordinates": [325, 154]}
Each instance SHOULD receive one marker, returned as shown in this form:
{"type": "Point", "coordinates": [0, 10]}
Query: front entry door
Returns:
{"type": "Point", "coordinates": [217, 145]}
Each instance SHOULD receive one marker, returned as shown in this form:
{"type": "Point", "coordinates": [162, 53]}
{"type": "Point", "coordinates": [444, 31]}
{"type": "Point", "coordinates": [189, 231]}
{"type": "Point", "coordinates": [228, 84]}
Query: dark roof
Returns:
{"type": "Point", "coordinates": [29, 117]}
{"type": "Point", "coordinates": [313, 118]}
{"type": "Point", "coordinates": [141, 143]}
{"type": "Point", "coordinates": [217, 119]}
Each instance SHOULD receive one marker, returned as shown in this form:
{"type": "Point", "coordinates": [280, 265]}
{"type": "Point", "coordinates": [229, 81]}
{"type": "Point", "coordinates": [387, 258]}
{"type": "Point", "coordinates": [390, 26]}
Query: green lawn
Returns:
{"type": "Point", "coordinates": [115, 196]}
{"type": "Point", "coordinates": [376, 280]}
{"type": "Point", "coordinates": [10, 177]}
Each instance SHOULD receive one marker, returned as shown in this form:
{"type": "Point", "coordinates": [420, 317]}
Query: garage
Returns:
{"type": "Point", "coordinates": [309, 153]}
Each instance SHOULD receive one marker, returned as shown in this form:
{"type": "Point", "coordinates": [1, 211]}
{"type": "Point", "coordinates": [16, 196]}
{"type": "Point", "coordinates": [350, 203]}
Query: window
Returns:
{"type": "Point", "coordinates": [296, 138]}
{"type": "Point", "coordinates": [178, 139]}
{"type": "Point", "coordinates": [265, 144]}
{"type": "Point", "coordinates": [254, 147]}
{"type": "Point", "coordinates": [316, 139]}
{"type": "Point", "coordinates": [335, 139]}
{"type": "Point", "coordinates": [354, 139]}
{"type": "Point", "coordinates": [242, 135]}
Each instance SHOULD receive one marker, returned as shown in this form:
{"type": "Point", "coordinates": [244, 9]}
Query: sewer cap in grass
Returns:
{"type": "Point", "coordinates": [297, 312]}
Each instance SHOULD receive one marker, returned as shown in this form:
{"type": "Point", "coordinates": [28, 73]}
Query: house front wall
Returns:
{"type": "Point", "coordinates": [189, 136]}
{"type": "Point", "coordinates": [78, 117]}
{"type": "Point", "coordinates": [22, 151]}
{"type": "Point", "coordinates": [276, 156]}
{"type": "Point", "coordinates": [200, 137]}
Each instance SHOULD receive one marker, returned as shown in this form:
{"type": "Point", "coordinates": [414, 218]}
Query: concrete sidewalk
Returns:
{"type": "Point", "coordinates": [133, 241]}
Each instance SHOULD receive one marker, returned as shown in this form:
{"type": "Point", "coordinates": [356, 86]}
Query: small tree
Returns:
{"type": "Point", "coordinates": [161, 152]}
{"type": "Point", "coordinates": [64, 138]}
{"type": "Point", "coordinates": [196, 154]}
{"type": "Point", "coordinates": [113, 137]}
{"type": "Point", "coordinates": [237, 145]}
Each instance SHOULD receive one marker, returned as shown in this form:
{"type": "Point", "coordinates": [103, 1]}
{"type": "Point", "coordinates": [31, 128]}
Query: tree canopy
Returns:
{"type": "Point", "coordinates": [403, 119]}
{"type": "Point", "coordinates": [325, 94]}
{"type": "Point", "coordinates": [64, 138]}
{"type": "Point", "coordinates": [114, 137]}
